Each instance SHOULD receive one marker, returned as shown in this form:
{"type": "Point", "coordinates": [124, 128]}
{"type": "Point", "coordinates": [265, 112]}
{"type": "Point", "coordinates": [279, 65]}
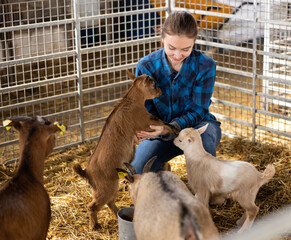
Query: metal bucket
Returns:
{"type": "Point", "coordinates": [125, 224]}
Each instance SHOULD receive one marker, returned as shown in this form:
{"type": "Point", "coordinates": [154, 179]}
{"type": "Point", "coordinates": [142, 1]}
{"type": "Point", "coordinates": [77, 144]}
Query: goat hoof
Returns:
{"type": "Point", "coordinates": [239, 222]}
{"type": "Point", "coordinates": [95, 226]}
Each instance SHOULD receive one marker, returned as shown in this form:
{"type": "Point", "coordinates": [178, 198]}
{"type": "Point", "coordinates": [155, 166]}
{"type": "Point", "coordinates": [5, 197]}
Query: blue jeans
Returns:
{"type": "Point", "coordinates": [166, 150]}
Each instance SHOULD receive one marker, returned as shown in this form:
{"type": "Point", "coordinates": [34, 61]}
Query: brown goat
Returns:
{"type": "Point", "coordinates": [116, 144]}
{"type": "Point", "coordinates": [24, 203]}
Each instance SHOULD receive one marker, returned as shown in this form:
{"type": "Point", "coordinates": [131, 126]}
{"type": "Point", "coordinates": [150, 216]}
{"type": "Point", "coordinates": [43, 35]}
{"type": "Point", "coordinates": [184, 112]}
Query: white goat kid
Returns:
{"type": "Point", "coordinates": [211, 177]}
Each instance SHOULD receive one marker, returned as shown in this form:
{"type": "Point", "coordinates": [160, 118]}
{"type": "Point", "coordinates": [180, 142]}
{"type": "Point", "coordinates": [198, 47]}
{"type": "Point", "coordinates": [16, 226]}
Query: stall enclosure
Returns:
{"type": "Point", "coordinates": [67, 60]}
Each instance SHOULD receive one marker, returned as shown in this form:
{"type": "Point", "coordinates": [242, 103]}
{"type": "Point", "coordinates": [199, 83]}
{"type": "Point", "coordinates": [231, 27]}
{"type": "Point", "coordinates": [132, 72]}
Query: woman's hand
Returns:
{"type": "Point", "coordinates": [157, 130]}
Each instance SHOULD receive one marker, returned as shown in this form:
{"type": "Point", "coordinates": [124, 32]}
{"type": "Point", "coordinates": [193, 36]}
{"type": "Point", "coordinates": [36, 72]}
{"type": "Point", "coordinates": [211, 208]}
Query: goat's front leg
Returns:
{"type": "Point", "coordinates": [113, 207]}
{"type": "Point", "coordinates": [172, 128]}
{"type": "Point", "coordinates": [203, 196]}
{"type": "Point", "coordinates": [156, 121]}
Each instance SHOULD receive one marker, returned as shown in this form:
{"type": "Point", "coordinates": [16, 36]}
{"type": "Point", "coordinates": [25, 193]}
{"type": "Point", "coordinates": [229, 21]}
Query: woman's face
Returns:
{"type": "Point", "coordinates": [177, 48]}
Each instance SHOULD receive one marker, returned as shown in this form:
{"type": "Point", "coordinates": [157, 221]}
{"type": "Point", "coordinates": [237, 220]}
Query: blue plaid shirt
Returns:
{"type": "Point", "coordinates": [186, 95]}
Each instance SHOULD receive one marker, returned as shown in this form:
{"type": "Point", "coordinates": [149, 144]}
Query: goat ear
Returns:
{"type": "Point", "coordinates": [131, 76]}
{"type": "Point", "coordinates": [124, 174]}
{"type": "Point", "coordinates": [57, 127]}
{"type": "Point", "coordinates": [9, 123]}
{"type": "Point", "coordinates": [202, 129]}
{"type": "Point", "coordinates": [16, 122]}
{"type": "Point", "coordinates": [191, 229]}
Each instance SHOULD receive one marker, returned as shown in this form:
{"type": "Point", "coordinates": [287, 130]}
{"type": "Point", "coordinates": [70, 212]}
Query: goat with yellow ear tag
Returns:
{"type": "Point", "coordinates": [25, 210]}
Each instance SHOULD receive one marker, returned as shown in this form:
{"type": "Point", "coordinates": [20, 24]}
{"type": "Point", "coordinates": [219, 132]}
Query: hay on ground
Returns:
{"type": "Point", "coordinates": [70, 194]}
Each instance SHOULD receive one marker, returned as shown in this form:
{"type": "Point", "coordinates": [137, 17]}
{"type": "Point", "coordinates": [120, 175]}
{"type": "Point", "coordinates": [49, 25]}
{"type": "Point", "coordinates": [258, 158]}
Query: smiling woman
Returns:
{"type": "Point", "coordinates": [177, 49]}
{"type": "Point", "coordinates": [179, 33]}
{"type": "Point", "coordinates": [186, 78]}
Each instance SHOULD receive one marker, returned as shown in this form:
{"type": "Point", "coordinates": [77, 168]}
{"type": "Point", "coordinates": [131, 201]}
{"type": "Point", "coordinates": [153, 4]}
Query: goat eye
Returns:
{"type": "Point", "coordinates": [180, 140]}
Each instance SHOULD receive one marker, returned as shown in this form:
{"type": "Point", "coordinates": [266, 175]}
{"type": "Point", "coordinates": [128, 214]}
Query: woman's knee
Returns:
{"type": "Point", "coordinates": [164, 150]}
{"type": "Point", "coordinates": [211, 137]}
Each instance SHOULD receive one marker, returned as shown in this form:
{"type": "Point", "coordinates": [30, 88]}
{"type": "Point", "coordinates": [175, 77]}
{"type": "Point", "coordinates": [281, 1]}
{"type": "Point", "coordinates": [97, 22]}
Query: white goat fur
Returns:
{"type": "Point", "coordinates": [159, 200]}
{"type": "Point", "coordinates": [210, 176]}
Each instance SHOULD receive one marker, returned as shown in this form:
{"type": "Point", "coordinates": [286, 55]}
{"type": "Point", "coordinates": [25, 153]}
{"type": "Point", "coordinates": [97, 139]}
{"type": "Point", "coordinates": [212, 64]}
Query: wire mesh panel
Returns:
{"type": "Point", "coordinates": [113, 39]}
{"type": "Point", "coordinates": [37, 65]}
{"type": "Point", "coordinates": [234, 34]}
{"type": "Point", "coordinates": [275, 108]}
{"type": "Point", "coordinates": [67, 60]}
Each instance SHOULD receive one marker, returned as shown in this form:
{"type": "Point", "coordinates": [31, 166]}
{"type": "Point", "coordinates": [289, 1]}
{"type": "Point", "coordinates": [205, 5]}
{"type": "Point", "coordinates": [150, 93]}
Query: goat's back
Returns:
{"type": "Point", "coordinates": [160, 207]}
{"type": "Point", "coordinates": [24, 210]}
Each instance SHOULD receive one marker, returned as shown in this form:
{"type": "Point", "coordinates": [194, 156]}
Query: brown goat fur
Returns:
{"type": "Point", "coordinates": [24, 203]}
{"type": "Point", "coordinates": [117, 145]}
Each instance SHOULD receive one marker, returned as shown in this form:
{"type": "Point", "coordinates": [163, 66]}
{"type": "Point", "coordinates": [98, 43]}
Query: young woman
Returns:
{"type": "Point", "coordinates": [186, 78]}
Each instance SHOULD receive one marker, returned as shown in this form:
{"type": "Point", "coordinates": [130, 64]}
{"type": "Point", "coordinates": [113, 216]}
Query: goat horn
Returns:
{"type": "Point", "coordinates": [149, 164]}
{"type": "Point", "coordinates": [130, 168]}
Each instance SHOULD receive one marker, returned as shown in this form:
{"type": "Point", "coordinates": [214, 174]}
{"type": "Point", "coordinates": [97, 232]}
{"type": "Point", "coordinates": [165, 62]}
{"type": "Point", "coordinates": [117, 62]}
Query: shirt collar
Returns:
{"type": "Point", "coordinates": [168, 70]}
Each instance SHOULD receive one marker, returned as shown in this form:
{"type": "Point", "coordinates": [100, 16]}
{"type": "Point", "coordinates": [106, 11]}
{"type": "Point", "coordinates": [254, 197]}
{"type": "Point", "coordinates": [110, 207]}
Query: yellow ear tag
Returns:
{"type": "Point", "coordinates": [122, 175]}
{"type": "Point", "coordinates": [6, 123]}
{"type": "Point", "coordinates": [61, 127]}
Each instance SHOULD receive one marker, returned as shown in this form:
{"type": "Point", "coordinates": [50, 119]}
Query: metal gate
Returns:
{"type": "Point", "coordinates": [67, 60]}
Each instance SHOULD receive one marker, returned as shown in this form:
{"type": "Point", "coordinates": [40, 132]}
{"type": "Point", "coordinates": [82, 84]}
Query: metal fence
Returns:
{"type": "Point", "coordinates": [67, 60]}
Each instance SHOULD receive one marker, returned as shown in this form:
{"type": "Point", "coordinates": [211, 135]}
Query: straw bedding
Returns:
{"type": "Point", "coordinates": [70, 194]}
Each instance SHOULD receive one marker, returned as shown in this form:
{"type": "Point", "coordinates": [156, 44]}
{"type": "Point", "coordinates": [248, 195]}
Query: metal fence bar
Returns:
{"type": "Point", "coordinates": [234, 120]}
{"type": "Point", "coordinates": [271, 54]}
{"type": "Point", "coordinates": [36, 25]}
{"type": "Point", "coordinates": [118, 14]}
{"type": "Point", "coordinates": [267, 129]}
{"type": "Point", "coordinates": [121, 67]}
{"type": "Point", "coordinates": [37, 58]}
{"type": "Point", "coordinates": [37, 84]}
{"type": "Point", "coordinates": [226, 86]}
{"type": "Point", "coordinates": [79, 67]}
{"type": "Point", "coordinates": [254, 94]}
{"type": "Point", "coordinates": [276, 115]}
{"type": "Point", "coordinates": [120, 44]}
{"type": "Point", "coordinates": [37, 101]}
{"type": "Point", "coordinates": [118, 84]}
{"type": "Point", "coordinates": [215, 14]}
{"type": "Point", "coordinates": [222, 45]}
{"type": "Point", "coordinates": [271, 96]}
{"type": "Point", "coordinates": [274, 79]}
{"type": "Point", "coordinates": [231, 104]}
{"type": "Point", "coordinates": [234, 71]}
